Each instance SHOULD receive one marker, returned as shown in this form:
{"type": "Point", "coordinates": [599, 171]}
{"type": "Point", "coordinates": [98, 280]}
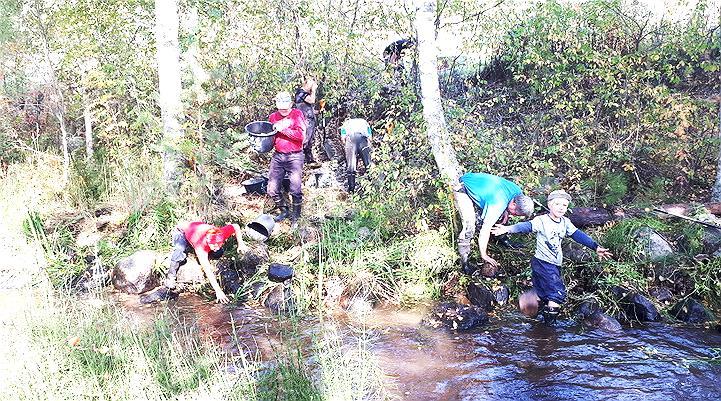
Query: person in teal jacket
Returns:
{"type": "Point", "coordinates": [497, 199]}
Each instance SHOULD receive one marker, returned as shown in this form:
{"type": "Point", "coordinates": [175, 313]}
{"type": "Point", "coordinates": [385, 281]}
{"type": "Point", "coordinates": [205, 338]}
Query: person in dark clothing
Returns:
{"type": "Point", "coordinates": [304, 101]}
{"type": "Point", "coordinates": [394, 51]}
{"type": "Point", "coordinates": [356, 133]}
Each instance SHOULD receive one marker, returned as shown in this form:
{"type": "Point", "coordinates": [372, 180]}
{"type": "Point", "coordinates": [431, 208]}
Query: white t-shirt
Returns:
{"type": "Point", "coordinates": [549, 235]}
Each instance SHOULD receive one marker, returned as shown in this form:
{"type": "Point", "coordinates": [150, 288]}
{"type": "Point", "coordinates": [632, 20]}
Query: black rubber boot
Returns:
{"type": "Point", "coordinates": [467, 267]}
{"type": "Point", "coordinates": [280, 205]}
{"type": "Point", "coordinates": [351, 182]}
{"type": "Point", "coordinates": [550, 314]}
{"type": "Point", "coordinates": [505, 242]}
{"type": "Point", "coordinates": [295, 214]}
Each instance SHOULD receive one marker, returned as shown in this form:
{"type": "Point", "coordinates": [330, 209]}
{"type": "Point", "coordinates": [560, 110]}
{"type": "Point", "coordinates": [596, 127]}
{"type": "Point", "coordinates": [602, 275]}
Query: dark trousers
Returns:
{"type": "Point", "coordinates": [280, 164]}
{"type": "Point", "coordinates": [547, 281]}
{"type": "Point", "coordinates": [356, 143]}
{"type": "Point", "coordinates": [309, 135]}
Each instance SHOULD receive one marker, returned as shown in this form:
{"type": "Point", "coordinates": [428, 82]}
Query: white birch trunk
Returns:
{"type": "Point", "coordinates": [716, 190]}
{"type": "Point", "coordinates": [171, 108]}
{"type": "Point", "coordinates": [436, 128]}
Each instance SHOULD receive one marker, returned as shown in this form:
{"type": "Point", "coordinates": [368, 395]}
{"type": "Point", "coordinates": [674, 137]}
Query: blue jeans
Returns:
{"type": "Point", "coordinates": [547, 281]}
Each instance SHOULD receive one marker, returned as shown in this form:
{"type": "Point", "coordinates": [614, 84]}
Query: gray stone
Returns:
{"type": "Point", "coordinates": [660, 294]}
{"type": "Point", "coordinates": [256, 256]}
{"type": "Point", "coordinates": [134, 274]}
{"type": "Point", "coordinates": [691, 311]}
{"type": "Point", "coordinates": [501, 294]}
{"type": "Point", "coordinates": [364, 233]}
{"type": "Point", "coordinates": [190, 272]}
{"type": "Point", "coordinates": [280, 299]}
{"type": "Point", "coordinates": [655, 247]}
{"type": "Point", "coordinates": [592, 316]}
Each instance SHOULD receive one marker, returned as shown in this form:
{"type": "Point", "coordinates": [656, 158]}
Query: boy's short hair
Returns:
{"type": "Point", "coordinates": [524, 204]}
{"type": "Point", "coordinates": [559, 194]}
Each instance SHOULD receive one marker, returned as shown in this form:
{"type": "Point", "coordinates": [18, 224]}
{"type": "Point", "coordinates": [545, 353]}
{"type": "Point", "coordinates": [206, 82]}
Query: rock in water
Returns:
{"type": "Point", "coordinates": [691, 311]}
{"type": "Point", "coordinates": [480, 296]}
{"type": "Point", "coordinates": [593, 317]}
{"type": "Point", "coordinates": [457, 317]}
{"type": "Point", "coordinates": [637, 307]}
{"type": "Point", "coordinates": [134, 274]}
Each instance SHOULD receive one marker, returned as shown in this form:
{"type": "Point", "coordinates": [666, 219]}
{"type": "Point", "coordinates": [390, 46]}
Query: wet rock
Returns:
{"type": "Point", "coordinates": [456, 317]}
{"type": "Point", "coordinates": [576, 252]}
{"type": "Point", "coordinates": [501, 294]}
{"type": "Point", "coordinates": [280, 299]}
{"type": "Point", "coordinates": [161, 293]}
{"type": "Point", "coordinates": [134, 274]}
{"type": "Point", "coordinates": [639, 308]}
{"type": "Point", "coordinates": [660, 294]}
{"type": "Point", "coordinates": [256, 256]}
{"type": "Point", "coordinates": [230, 279]}
{"type": "Point", "coordinates": [691, 311]}
{"type": "Point", "coordinates": [309, 234]}
{"type": "Point", "coordinates": [190, 272]}
{"type": "Point", "coordinates": [592, 316]}
{"type": "Point", "coordinates": [487, 270]}
{"type": "Point", "coordinates": [655, 247]}
{"type": "Point", "coordinates": [480, 296]}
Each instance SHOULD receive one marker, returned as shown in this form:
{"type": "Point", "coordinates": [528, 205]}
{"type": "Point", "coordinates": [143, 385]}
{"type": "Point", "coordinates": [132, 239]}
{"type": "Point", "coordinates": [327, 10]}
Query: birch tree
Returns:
{"type": "Point", "coordinates": [436, 128]}
{"type": "Point", "coordinates": [171, 108]}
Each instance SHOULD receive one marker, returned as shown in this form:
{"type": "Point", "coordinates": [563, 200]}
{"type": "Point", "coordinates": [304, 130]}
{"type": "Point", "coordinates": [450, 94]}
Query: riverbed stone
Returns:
{"type": "Point", "coordinates": [134, 274]}
{"type": "Point", "coordinates": [93, 278]}
{"type": "Point", "coordinates": [711, 240]}
{"type": "Point", "coordinates": [231, 279]}
{"type": "Point", "coordinates": [691, 311]}
{"type": "Point", "coordinates": [280, 299]}
{"type": "Point", "coordinates": [592, 316]}
{"type": "Point", "coordinates": [480, 296]}
{"type": "Point", "coordinates": [639, 308]}
{"type": "Point", "coordinates": [456, 317]}
{"type": "Point", "coordinates": [256, 255]}
{"type": "Point", "coordinates": [654, 246]}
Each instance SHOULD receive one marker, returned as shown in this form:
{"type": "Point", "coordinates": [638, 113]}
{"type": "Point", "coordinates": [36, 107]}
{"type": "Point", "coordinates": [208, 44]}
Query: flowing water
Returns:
{"type": "Point", "coordinates": [512, 358]}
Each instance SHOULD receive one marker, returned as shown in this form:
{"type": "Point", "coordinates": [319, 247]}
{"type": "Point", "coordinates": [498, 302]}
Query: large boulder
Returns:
{"type": "Point", "coordinates": [480, 296]}
{"type": "Point", "coordinates": [639, 308]}
{"type": "Point", "coordinates": [654, 246]}
{"type": "Point", "coordinates": [691, 311]}
{"type": "Point", "coordinates": [456, 317]}
{"type": "Point", "coordinates": [134, 274]}
{"type": "Point", "coordinates": [257, 255]}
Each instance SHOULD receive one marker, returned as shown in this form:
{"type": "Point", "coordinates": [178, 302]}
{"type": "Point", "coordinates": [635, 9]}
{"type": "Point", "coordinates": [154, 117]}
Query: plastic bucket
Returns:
{"type": "Point", "coordinates": [262, 135]}
{"type": "Point", "coordinates": [257, 185]}
{"type": "Point", "coordinates": [279, 273]}
{"type": "Point", "coordinates": [261, 228]}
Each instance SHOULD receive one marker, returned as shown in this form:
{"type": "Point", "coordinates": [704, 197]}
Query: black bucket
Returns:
{"type": "Point", "coordinates": [262, 135]}
{"type": "Point", "coordinates": [257, 185]}
{"type": "Point", "coordinates": [261, 228]}
{"type": "Point", "coordinates": [279, 273]}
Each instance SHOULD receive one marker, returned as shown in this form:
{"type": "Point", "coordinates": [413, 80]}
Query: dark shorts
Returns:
{"type": "Point", "coordinates": [547, 281]}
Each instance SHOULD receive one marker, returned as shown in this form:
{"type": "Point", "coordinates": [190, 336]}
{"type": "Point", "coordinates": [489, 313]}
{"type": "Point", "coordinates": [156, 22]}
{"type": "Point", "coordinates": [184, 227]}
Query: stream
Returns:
{"type": "Point", "coordinates": [511, 358]}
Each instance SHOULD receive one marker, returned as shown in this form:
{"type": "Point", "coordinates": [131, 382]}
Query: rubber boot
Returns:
{"type": "Point", "coordinates": [550, 314]}
{"type": "Point", "coordinates": [351, 182]}
{"type": "Point", "coordinates": [467, 267]}
{"type": "Point", "coordinates": [295, 215]}
{"type": "Point", "coordinates": [280, 205]}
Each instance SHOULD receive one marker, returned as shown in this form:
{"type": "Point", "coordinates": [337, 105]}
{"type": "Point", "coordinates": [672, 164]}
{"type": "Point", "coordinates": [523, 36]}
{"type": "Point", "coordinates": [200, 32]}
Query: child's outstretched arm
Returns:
{"type": "Point", "coordinates": [523, 227]}
{"type": "Point", "coordinates": [583, 239]}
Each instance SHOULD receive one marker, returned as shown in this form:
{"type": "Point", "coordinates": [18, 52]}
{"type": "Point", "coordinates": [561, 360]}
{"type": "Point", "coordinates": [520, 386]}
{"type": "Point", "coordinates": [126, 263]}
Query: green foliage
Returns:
{"type": "Point", "coordinates": [58, 246]}
{"type": "Point", "coordinates": [289, 379]}
{"type": "Point", "coordinates": [707, 282]}
{"type": "Point", "coordinates": [621, 238]}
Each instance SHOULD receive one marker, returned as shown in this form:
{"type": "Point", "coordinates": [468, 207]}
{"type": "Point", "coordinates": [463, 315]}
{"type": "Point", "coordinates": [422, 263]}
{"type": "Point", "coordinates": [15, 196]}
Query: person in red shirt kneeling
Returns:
{"type": "Point", "coordinates": [206, 241]}
{"type": "Point", "coordinates": [289, 124]}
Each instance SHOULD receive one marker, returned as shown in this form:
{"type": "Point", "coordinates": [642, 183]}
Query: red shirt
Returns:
{"type": "Point", "coordinates": [196, 230]}
{"type": "Point", "coordinates": [290, 139]}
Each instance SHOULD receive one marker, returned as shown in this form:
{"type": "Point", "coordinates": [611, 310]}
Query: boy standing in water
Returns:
{"type": "Point", "coordinates": [550, 230]}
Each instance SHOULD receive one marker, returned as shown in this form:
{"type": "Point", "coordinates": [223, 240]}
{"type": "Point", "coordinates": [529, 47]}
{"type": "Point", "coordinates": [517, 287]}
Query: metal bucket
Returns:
{"type": "Point", "coordinates": [262, 135]}
{"type": "Point", "coordinates": [260, 228]}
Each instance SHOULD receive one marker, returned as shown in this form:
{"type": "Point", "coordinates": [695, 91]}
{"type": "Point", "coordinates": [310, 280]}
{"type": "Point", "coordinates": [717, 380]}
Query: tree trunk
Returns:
{"type": "Point", "coordinates": [436, 128]}
{"type": "Point", "coordinates": [171, 108]}
{"type": "Point", "coordinates": [596, 216]}
{"type": "Point", "coordinates": [716, 190]}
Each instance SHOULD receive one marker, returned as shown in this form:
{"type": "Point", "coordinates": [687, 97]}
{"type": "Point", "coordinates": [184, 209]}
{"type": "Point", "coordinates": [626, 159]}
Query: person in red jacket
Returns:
{"type": "Point", "coordinates": [206, 241]}
{"type": "Point", "coordinates": [290, 125]}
